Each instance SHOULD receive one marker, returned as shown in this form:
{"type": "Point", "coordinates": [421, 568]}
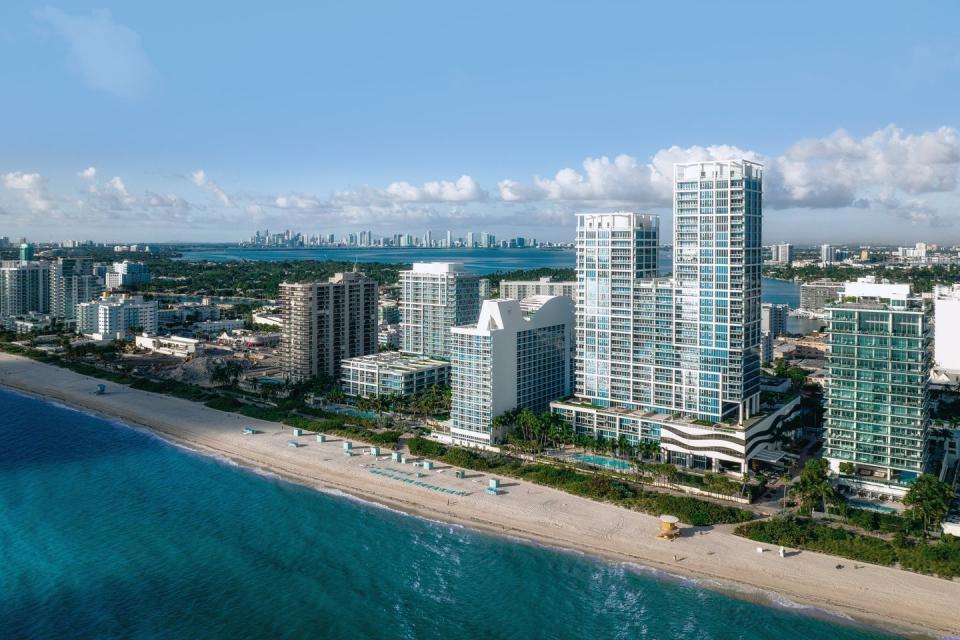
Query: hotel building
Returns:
{"type": "Point", "coordinates": [876, 386]}
{"type": "Point", "coordinates": [517, 355]}
{"type": "Point", "coordinates": [325, 322]}
{"type": "Point", "coordinates": [677, 361]}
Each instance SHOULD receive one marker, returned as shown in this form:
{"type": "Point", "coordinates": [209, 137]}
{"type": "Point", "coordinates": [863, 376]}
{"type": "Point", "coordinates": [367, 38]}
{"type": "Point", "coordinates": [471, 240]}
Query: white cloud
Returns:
{"type": "Point", "coordinates": [836, 171]}
{"type": "Point", "coordinates": [296, 201]}
{"type": "Point", "coordinates": [108, 56]}
{"type": "Point", "coordinates": [32, 187]}
{"type": "Point", "coordinates": [465, 189]}
{"type": "Point", "coordinates": [201, 179]}
{"type": "Point", "coordinates": [90, 173]}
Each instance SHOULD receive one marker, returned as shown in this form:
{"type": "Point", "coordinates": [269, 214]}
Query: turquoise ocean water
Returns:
{"type": "Point", "coordinates": [108, 532]}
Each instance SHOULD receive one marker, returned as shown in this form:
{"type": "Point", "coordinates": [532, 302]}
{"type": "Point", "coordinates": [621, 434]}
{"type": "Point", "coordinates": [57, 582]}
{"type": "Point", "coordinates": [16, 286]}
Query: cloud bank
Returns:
{"type": "Point", "coordinates": [912, 178]}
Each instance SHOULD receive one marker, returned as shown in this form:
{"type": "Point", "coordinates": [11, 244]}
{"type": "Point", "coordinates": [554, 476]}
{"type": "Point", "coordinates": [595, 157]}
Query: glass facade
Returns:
{"type": "Point", "coordinates": [878, 368]}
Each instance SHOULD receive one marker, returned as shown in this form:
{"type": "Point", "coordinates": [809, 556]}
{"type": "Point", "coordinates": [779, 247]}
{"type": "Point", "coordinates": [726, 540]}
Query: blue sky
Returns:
{"type": "Point", "coordinates": [205, 121]}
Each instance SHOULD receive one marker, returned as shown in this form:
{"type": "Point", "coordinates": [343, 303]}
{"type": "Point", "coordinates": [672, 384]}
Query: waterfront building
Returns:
{"type": "Point", "coordinates": [24, 287]}
{"type": "Point", "coordinates": [876, 386]}
{"type": "Point", "coordinates": [518, 354]}
{"type": "Point", "coordinates": [773, 318]}
{"type": "Point", "coordinates": [816, 295]}
{"type": "Point", "coordinates": [113, 317]}
{"type": "Point", "coordinates": [71, 282]}
{"type": "Point", "coordinates": [677, 361]}
{"type": "Point", "coordinates": [520, 289]}
{"type": "Point", "coordinates": [325, 322]}
{"type": "Point", "coordinates": [391, 373]}
{"type": "Point", "coordinates": [434, 297]}
{"type": "Point", "coordinates": [782, 253]}
{"type": "Point", "coordinates": [946, 301]}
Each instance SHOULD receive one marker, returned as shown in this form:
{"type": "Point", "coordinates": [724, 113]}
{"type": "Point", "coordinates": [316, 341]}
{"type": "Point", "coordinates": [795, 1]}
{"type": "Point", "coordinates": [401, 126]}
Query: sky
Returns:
{"type": "Point", "coordinates": [205, 121]}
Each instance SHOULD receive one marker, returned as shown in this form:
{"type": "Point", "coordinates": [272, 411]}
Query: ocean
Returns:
{"type": "Point", "coordinates": [109, 532]}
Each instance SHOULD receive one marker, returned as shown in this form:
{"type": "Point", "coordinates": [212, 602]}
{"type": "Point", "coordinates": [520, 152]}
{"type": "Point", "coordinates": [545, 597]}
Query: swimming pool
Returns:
{"type": "Point", "coordinates": [601, 461]}
{"type": "Point", "coordinates": [870, 506]}
{"type": "Point", "coordinates": [350, 411]}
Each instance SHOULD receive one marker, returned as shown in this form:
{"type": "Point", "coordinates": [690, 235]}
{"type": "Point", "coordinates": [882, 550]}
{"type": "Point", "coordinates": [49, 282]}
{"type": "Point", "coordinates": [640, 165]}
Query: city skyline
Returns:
{"type": "Point", "coordinates": [123, 136]}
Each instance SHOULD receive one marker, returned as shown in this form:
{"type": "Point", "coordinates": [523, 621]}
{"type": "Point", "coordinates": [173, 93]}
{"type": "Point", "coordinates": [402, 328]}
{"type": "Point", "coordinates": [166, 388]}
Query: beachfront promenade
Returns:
{"type": "Point", "coordinates": [521, 509]}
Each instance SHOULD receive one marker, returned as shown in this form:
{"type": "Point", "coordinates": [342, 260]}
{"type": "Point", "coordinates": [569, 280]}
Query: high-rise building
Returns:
{"type": "Point", "coordinates": [113, 317]}
{"type": "Point", "coordinates": [71, 282]}
{"type": "Point", "coordinates": [827, 253]}
{"type": "Point", "coordinates": [773, 319]}
{"type": "Point", "coordinates": [676, 361]}
{"type": "Point", "coordinates": [876, 386]}
{"type": "Point", "coordinates": [435, 296]}
{"type": "Point", "coordinates": [26, 252]}
{"type": "Point", "coordinates": [470, 243]}
{"type": "Point", "coordinates": [325, 322]}
{"type": "Point", "coordinates": [519, 289]}
{"type": "Point", "coordinates": [24, 287]}
{"type": "Point", "coordinates": [782, 253]}
{"type": "Point", "coordinates": [518, 355]}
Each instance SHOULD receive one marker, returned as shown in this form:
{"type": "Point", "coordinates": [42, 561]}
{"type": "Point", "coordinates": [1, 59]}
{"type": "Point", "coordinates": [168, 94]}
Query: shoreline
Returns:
{"type": "Point", "coordinates": [715, 558]}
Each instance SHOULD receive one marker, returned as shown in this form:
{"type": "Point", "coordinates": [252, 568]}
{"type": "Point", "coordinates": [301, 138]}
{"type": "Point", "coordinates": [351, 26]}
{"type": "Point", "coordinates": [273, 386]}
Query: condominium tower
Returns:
{"type": "Point", "coordinates": [24, 287]}
{"type": "Point", "coordinates": [876, 386]}
{"type": "Point", "coordinates": [325, 322]}
{"type": "Point", "coordinates": [676, 360]}
{"type": "Point", "coordinates": [435, 296]}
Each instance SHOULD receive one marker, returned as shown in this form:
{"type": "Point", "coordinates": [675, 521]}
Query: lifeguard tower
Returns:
{"type": "Point", "coordinates": [668, 528]}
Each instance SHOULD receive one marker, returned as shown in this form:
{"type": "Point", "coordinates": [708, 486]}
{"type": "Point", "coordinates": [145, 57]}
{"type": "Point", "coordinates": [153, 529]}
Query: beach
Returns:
{"type": "Point", "coordinates": [886, 597]}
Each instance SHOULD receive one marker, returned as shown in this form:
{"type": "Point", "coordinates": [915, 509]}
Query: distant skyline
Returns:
{"type": "Point", "coordinates": [202, 122]}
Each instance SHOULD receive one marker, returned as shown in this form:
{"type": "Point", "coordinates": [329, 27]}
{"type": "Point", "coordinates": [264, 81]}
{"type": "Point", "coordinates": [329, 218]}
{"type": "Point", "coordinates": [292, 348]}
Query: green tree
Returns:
{"type": "Point", "coordinates": [929, 500]}
{"type": "Point", "coordinates": [814, 488]}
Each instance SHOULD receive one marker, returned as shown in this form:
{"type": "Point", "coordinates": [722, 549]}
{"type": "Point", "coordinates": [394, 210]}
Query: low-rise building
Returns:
{"type": "Point", "coordinates": [178, 346]}
{"type": "Point", "coordinates": [391, 373]}
{"type": "Point", "coordinates": [212, 327]}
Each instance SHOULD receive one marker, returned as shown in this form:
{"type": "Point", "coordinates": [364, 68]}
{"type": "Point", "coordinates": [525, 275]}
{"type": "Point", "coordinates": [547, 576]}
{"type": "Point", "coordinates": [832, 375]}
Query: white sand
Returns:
{"type": "Point", "coordinates": [879, 594]}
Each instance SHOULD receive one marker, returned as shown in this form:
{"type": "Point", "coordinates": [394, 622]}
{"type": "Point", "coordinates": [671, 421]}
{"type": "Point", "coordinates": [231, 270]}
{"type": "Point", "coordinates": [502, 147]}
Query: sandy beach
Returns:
{"type": "Point", "coordinates": [893, 599]}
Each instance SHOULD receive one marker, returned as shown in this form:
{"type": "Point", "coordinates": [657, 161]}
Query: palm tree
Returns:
{"type": "Point", "coordinates": [814, 487]}
{"type": "Point", "coordinates": [929, 500]}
